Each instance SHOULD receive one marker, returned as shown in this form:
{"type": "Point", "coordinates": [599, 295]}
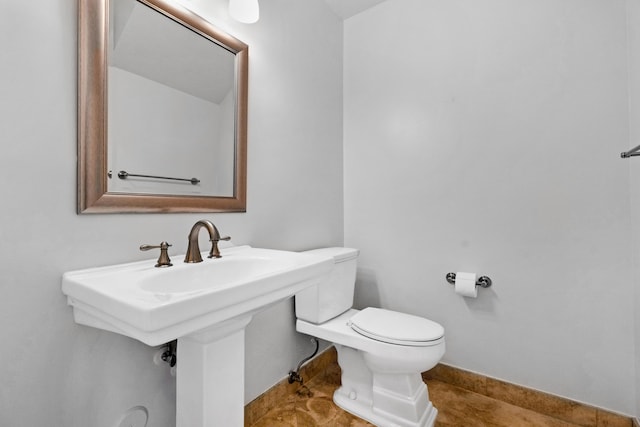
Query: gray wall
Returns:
{"type": "Point", "coordinates": [57, 373]}
{"type": "Point", "coordinates": [485, 136]}
{"type": "Point", "coordinates": [633, 28]}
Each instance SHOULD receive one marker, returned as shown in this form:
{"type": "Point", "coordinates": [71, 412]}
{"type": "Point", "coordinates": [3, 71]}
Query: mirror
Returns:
{"type": "Point", "coordinates": [162, 110]}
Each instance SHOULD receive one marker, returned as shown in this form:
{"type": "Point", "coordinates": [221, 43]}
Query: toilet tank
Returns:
{"type": "Point", "coordinates": [334, 295]}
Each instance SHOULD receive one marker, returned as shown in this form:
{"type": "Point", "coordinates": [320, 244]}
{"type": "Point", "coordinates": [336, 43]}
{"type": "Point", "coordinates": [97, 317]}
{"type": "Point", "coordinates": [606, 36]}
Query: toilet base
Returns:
{"type": "Point", "coordinates": [380, 382]}
{"type": "Point", "coordinates": [365, 411]}
{"type": "Point", "coordinates": [383, 399]}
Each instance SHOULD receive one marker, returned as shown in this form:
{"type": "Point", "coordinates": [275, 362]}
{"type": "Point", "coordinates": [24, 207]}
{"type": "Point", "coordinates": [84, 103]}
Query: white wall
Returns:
{"type": "Point", "coordinates": [633, 25]}
{"type": "Point", "coordinates": [57, 373]}
{"type": "Point", "coordinates": [485, 136]}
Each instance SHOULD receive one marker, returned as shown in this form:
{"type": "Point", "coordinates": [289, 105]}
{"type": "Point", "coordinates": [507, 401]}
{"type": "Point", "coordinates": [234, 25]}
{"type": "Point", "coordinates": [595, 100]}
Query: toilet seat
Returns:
{"type": "Point", "coordinates": [396, 328]}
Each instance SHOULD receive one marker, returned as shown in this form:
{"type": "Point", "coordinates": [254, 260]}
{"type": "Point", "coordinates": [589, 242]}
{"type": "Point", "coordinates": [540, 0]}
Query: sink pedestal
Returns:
{"type": "Point", "coordinates": [210, 376]}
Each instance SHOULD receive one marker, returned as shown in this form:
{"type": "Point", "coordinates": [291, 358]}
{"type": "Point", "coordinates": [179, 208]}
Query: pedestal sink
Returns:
{"type": "Point", "coordinates": [205, 306]}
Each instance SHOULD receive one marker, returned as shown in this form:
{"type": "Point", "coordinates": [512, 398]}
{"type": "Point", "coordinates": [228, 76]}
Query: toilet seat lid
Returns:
{"type": "Point", "coordinates": [396, 328]}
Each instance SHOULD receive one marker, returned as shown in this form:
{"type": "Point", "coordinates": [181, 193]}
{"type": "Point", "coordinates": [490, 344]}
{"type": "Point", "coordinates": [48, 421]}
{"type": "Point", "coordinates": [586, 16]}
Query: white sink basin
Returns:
{"type": "Point", "coordinates": [205, 306]}
{"type": "Point", "coordinates": [158, 305]}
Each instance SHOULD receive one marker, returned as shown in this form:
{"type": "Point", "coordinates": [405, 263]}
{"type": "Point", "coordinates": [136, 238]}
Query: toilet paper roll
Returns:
{"type": "Point", "coordinates": [466, 284]}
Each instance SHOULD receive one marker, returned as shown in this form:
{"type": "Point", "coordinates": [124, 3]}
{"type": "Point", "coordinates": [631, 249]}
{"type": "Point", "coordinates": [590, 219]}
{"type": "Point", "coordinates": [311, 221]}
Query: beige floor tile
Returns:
{"type": "Point", "coordinates": [607, 419]}
{"type": "Point", "coordinates": [459, 407]}
{"type": "Point", "coordinates": [311, 405]}
{"type": "Point", "coordinates": [544, 403]}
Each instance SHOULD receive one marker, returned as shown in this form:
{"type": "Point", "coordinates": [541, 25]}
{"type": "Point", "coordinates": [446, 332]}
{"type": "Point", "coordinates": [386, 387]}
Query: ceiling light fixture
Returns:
{"type": "Point", "coordinates": [245, 11]}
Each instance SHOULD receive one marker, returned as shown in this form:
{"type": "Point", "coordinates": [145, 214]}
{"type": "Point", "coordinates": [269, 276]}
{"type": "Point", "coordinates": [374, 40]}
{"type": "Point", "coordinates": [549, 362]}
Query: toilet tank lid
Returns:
{"type": "Point", "coordinates": [339, 254]}
{"type": "Point", "coordinates": [394, 327]}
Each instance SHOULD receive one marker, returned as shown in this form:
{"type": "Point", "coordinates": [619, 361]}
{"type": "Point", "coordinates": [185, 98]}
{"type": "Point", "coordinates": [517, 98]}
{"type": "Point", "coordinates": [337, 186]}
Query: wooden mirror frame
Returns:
{"type": "Point", "coordinates": [93, 195]}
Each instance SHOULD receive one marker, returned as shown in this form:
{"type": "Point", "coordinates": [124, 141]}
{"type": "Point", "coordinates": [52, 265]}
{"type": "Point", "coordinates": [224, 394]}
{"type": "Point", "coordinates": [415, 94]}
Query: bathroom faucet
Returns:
{"type": "Point", "coordinates": [193, 250]}
{"type": "Point", "coordinates": [163, 260]}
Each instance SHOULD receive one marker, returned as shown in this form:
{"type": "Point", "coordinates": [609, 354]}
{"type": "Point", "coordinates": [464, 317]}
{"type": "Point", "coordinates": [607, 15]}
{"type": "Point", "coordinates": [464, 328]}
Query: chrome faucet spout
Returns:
{"type": "Point", "coordinates": [193, 250]}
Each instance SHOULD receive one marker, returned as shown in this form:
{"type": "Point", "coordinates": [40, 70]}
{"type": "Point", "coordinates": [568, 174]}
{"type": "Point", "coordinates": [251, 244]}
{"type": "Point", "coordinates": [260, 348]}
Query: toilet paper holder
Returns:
{"type": "Point", "coordinates": [483, 281]}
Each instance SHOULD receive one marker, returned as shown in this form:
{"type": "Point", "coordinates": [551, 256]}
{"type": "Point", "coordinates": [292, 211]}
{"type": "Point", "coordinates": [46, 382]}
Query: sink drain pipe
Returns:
{"type": "Point", "coordinates": [166, 354]}
{"type": "Point", "coordinates": [294, 376]}
{"type": "Point", "coordinates": [169, 354]}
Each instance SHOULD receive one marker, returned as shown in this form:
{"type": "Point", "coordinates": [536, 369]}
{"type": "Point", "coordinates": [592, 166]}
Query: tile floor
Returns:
{"type": "Point", "coordinates": [312, 405]}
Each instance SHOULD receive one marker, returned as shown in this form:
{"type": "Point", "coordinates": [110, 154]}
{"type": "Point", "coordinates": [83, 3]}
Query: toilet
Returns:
{"type": "Point", "coordinates": [381, 353]}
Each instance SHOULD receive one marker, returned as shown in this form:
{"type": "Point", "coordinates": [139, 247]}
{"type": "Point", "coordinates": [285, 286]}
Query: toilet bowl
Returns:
{"type": "Point", "coordinates": [381, 353]}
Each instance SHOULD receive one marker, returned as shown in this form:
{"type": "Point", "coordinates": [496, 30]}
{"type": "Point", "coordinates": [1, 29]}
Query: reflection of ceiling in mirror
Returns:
{"type": "Point", "coordinates": [147, 43]}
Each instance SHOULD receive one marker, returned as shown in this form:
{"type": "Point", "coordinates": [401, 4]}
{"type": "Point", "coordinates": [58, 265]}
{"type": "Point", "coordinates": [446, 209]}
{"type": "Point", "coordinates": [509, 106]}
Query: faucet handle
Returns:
{"type": "Point", "coordinates": [163, 259]}
{"type": "Point", "coordinates": [215, 251]}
